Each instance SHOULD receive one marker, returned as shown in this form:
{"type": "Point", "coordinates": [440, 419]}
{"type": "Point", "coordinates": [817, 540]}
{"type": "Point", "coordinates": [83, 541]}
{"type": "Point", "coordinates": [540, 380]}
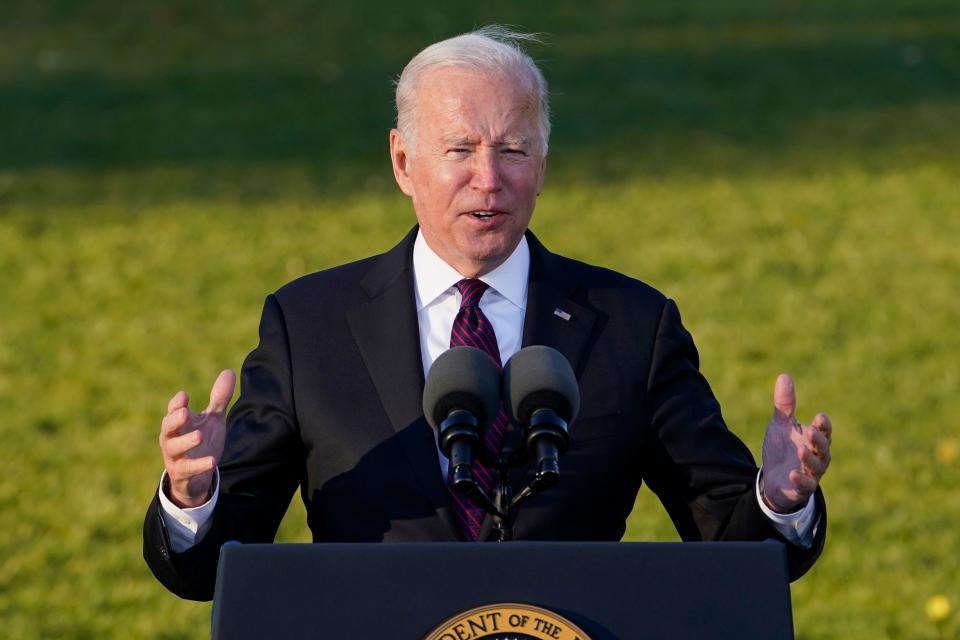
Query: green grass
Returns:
{"type": "Point", "coordinates": [787, 171]}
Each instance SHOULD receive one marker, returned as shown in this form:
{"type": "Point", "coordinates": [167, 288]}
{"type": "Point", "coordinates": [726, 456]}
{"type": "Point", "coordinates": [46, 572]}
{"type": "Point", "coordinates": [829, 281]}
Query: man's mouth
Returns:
{"type": "Point", "coordinates": [484, 215]}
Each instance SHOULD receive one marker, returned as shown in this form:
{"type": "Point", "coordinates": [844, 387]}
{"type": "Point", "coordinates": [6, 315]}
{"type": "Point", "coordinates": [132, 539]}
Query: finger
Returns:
{"type": "Point", "coordinates": [823, 455]}
{"type": "Point", "coordinates": [818, 442]}
{"type": "Point", "coordinates": [222, 391]}
{"type": "Point", "coordinates": [784, 399]}
{"type": "Point", "coordinates": [812, 465]}
{"type": "Point", "coordinates": [189, 467]}
{"type": "Point", "coordinates": [180, 399]}
{"type": "Point", "coordinates": [802, 482]}
{"type": "Point", "coordinates": [173, 422]}
{"type": "Point", "coordinates": [822, 423]}
{"type": "Point", "coordinates": [176, 447]}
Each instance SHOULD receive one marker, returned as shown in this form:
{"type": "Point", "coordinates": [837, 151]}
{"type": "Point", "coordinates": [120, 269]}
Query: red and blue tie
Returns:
{"type": "Point", "coordinates": [471, 328]}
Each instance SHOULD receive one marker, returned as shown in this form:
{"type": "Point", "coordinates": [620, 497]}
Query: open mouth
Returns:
{"type": "Point", "coordinates": [484, 215]}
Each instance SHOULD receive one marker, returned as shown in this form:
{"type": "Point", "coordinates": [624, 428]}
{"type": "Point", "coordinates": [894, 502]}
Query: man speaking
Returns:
{"type": "Point", "coordinates": [330, 399]}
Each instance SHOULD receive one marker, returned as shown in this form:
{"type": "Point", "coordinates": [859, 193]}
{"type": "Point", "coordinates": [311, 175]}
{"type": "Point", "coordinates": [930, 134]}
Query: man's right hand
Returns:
{"type": "Point", "coordinates": [192, 443]}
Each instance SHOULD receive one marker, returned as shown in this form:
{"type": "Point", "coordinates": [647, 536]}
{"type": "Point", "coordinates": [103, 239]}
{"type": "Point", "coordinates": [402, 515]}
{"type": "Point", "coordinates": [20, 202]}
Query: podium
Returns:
{"type": "Point", "coordinates": [626, 591]}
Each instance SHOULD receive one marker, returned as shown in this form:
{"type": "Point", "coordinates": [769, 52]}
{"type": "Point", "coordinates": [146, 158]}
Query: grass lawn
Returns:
{"type": "Point", "coordinates": [787, 171]}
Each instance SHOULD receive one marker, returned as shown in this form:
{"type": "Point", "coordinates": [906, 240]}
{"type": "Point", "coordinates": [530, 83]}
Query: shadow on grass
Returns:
{"type": "Point", "coordinates": [706, 92]}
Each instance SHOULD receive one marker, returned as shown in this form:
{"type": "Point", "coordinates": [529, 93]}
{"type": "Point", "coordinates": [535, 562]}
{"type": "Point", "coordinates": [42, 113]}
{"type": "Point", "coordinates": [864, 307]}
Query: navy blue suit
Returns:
{"type": "Point", "coordinates": [330, 402]}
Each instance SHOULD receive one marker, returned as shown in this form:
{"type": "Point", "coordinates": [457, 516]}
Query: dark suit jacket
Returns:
{"type": "Point", "coordinates": [331, 402]}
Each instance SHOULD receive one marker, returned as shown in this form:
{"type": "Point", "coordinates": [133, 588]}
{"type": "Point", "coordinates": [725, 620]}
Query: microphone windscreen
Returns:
{"type": "Point", "coordinates": [540, 377]}
{"type": "Point", "coordinates": [462, 378]}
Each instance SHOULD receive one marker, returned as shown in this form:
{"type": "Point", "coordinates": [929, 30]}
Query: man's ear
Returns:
{"type": "Point", "coordinates": [400, 158]}
{"type": "Point", "coordinates": [543, 174]}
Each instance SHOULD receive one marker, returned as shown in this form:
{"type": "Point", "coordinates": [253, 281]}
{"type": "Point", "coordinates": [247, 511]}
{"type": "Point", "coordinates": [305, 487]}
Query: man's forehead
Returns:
{"type": "Point", "coordinates": [452, 91]}
{"type": "Point", "coordinates": [512, 127]}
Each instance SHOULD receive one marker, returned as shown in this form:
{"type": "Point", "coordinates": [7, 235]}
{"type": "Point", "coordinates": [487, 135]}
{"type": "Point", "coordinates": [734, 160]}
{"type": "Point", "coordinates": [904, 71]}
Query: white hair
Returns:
{"type": "Point", "coordinates": [493, 48]}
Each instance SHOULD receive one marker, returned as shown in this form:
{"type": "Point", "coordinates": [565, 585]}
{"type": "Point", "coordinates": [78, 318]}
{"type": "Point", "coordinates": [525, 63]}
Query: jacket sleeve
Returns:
{"type": "Point", "coordinates": [261, 467]}
{"type": "Point", "coordinates": [703, 474]}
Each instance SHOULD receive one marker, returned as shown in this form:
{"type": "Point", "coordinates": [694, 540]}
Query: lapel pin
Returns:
{"type": "Point", "coordinates": [563, 315]}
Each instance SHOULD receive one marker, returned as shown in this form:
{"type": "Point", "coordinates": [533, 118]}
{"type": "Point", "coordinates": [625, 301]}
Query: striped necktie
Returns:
{"type": "Point", "coordinates": [471, 328]}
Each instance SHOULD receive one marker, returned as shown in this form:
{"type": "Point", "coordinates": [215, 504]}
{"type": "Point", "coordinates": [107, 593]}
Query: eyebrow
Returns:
{"type": "Point", "coordinates": [520, 141]}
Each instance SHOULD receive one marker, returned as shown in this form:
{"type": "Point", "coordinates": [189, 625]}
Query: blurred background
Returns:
{"type": "Point", "coordinates": [788, 171]}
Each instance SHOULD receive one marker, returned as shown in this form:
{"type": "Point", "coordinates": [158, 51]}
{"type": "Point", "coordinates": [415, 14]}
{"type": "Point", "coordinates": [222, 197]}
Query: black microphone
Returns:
{"type": "Point", "coordinates": [461, 398]}
{"type": "Point", "coordinates": [543, 397]}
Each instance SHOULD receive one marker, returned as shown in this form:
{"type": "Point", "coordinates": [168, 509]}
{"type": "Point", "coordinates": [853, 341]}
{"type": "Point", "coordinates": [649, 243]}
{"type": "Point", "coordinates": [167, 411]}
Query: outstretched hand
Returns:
{"type": "Point", "coordinates": [795, 456]}
{"type": "Point", "coordinates": [192, 443]}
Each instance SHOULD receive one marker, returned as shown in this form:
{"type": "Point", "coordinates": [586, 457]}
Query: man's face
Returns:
{"type": "Point", "coordinates": [475, 167]}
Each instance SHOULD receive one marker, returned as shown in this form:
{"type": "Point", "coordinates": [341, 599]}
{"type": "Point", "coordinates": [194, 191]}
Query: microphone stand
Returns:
{"type": "Point", "coordinates": [503, 504]}
{"type": "Point", "coordinates": [502, 518]}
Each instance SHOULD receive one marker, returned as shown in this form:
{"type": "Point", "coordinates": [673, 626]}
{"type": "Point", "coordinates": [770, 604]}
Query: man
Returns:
{"type": "Point", "coordinates": [330, 399]}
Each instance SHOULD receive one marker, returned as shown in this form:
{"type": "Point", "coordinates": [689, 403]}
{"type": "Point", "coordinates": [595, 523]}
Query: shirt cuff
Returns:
{"type": "Point", "coordinates": [187, 526]}
{"type": "Point", "coordinates": [799, 527]}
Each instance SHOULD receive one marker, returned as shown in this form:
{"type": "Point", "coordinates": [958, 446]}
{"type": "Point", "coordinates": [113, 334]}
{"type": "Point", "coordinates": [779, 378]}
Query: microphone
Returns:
{"type": "Point", "coordinates": [543, 396]}
{"type": "Point", "coordinates": [461, 397]}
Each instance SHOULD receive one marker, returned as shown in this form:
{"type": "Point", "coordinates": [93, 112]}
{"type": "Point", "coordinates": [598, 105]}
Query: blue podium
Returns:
{"type": "Point", "coordinates": [602, 591]}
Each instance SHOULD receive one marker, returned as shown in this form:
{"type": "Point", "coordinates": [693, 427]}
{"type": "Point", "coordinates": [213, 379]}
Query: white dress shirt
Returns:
{"type": "Point", "coordinates": [438, 301]}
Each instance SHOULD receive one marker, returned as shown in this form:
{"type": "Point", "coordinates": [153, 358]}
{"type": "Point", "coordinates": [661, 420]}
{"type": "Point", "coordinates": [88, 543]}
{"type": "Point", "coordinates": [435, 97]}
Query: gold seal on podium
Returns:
{"type": "Point", "coordinates": [507, 621]}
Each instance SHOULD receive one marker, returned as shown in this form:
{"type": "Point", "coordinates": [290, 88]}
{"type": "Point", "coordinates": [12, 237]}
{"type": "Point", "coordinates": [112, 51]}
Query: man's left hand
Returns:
{"type": "Point", "coordinates": [795, 456]}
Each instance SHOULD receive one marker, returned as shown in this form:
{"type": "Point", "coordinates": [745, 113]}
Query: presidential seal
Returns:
{"type": "Point", "coordinates": [507, 621]}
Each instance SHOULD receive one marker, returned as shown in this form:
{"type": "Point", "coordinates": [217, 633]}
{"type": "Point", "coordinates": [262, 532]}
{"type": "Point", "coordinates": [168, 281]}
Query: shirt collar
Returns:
{"type": "Point", "coordinates": [433, 276]}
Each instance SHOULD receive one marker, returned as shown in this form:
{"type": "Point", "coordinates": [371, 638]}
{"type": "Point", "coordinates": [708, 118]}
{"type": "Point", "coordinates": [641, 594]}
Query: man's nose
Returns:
{"type": "Point", "coordinates": [486, 170]}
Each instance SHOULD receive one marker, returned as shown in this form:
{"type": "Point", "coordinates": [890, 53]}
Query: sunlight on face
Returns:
{"type": "Point", "coordinates": [477, 167]}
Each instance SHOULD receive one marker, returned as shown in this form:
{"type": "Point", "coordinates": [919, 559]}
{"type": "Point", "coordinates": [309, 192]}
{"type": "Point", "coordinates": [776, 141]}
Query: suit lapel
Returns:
{"type": "Point", "coordinates": [553, 318]}
{"type": "Point", "coordinates": [386, 331]}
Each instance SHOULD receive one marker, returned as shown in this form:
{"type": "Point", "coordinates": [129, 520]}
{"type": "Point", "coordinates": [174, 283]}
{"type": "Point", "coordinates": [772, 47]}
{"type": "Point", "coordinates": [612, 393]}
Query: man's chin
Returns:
{"type": "Point", "coordinates": [489, 256]}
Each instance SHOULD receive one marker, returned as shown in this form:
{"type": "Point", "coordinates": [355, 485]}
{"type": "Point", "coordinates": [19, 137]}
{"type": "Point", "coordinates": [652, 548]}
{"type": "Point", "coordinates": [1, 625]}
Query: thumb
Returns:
{"type": "Point", "coordinates": [222, 391]}
{"type": "Point", "coordinates": [784, 399]}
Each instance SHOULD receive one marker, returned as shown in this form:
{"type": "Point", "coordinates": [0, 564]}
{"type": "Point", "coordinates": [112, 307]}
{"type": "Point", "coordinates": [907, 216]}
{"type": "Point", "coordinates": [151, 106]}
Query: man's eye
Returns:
{"type": "Point", "coordinates": [516, 152]}
{"type": "Point", "coordinates": [458, 150]}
